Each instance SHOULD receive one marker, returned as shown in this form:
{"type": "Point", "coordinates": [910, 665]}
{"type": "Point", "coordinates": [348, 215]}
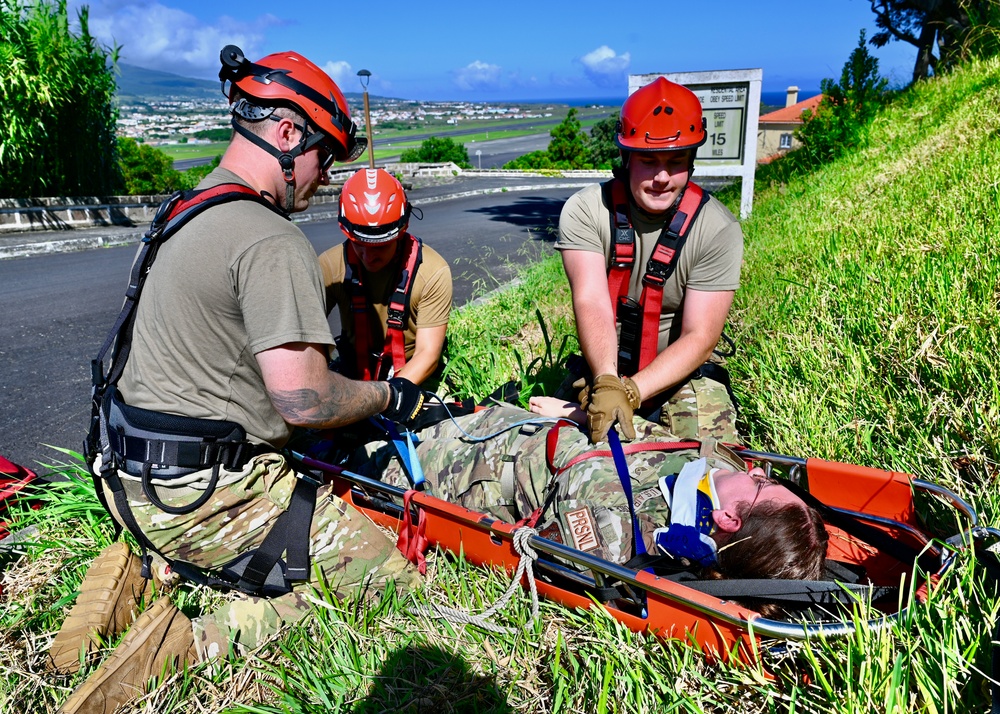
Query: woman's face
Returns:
{"type": "Point", "coordinates": [752, 487]}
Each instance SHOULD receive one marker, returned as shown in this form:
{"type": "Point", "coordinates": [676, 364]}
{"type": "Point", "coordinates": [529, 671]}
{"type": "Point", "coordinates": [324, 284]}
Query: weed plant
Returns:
{"type": "Point", "coordinates": [867, 324]}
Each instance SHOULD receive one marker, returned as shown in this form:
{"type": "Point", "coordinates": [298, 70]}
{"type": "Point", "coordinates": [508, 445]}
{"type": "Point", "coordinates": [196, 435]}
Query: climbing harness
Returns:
{"type": "Point", "coordinates": [640, 322]}
{"type": "Point", "coordinates": [372, 364]}
{"type": "Point", "coordinates": [140, 441]}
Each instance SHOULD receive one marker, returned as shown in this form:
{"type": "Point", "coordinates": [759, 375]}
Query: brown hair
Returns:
{"type": "Point", "coordinates": [776, 540]}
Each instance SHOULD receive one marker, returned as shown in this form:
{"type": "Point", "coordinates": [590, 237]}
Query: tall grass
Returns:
{"type": "Point", "coordinates": [881, 280]}
{"type": "Point", "coordinates": [867, 325]}
{"type": "Point", "coordinates": [56, 104]}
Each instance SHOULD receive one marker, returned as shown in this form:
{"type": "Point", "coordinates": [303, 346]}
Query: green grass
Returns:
{"type": "Point", "coordinates": [194, 151]}
{"type": "Point", "coordinates": [868, 323]}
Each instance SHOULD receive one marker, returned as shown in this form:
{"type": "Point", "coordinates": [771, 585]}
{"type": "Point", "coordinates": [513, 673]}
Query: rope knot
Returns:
{"type": "Point", "coordinates": [522, 546]}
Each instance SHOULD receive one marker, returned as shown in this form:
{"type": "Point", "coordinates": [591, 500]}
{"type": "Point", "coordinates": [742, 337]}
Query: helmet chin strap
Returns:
{"type": "Point", "coordinates": [287, 162]}
{"type": "Point", "coordinates": [286, 159]}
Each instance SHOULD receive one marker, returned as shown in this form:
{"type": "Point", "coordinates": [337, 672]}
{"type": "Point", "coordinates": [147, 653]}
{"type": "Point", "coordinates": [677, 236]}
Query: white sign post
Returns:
{"type": "Point", "coordinates": [730, 102]}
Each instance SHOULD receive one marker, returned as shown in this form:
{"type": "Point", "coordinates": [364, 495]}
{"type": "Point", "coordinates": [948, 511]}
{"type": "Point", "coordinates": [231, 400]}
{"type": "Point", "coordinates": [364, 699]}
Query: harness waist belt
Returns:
{"type": "Point", "coordinates": [232, 455]}
{"type": "Point", "coordinates": [172, 445]}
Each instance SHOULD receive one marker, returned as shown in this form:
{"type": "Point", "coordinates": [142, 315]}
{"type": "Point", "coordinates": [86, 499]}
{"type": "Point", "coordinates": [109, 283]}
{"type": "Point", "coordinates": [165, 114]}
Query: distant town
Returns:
{"type": "Point", "coordinates": [172, 121]}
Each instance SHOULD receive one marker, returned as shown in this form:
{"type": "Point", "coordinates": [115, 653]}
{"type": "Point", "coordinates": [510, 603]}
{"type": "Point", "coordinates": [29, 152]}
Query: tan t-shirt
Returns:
{"type": "Point", "coordinates": [236, 280]}
{"type": "Point", "coordinates": [430, 298]}
{"type": "Point", "coordinates": [710, 260]}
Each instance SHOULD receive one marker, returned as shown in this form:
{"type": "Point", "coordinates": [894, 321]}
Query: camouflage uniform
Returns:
{"type": "Point", "coordinates": [347, 551]}
{"type": "Point", "coordinates": [507, 477]}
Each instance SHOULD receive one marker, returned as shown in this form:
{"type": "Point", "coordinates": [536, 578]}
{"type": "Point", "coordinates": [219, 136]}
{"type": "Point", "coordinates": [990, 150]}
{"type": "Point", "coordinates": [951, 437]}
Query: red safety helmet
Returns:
{"type": "Point", "coordinates": [373, 207]}
{"type": "Point", "coordinates": [288, 78]}
{"type": "Point", "coordinates": [661, 116]}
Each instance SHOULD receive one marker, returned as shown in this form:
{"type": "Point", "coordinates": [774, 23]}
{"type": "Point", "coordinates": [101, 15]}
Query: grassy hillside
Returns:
{"type": "Point", "coordinates": [868, 327]}
{"type": "Point", "coordinates": [869, 313]}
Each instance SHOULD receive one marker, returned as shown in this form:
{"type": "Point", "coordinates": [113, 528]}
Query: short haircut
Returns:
{"type": "Point", "coordinates": [259, 127]}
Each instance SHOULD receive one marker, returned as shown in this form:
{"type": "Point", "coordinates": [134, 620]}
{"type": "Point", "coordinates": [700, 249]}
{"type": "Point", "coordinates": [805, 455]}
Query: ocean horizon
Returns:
{"type": "Point", "coordinates": [770, 98]}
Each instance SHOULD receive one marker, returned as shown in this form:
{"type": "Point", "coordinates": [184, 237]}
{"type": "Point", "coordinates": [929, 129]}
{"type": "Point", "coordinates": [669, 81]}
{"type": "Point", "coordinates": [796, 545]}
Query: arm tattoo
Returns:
{"type": "Point", "coordinates": [346, 402]}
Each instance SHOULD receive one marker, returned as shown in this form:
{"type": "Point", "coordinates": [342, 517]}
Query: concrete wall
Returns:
{"type": "Point", "coordinates": [18, 215]}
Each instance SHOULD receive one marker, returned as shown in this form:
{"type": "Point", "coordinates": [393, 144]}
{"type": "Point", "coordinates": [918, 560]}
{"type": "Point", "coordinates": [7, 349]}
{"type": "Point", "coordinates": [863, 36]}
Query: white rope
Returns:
{"type": "Point", "coordinates": [522, 547]}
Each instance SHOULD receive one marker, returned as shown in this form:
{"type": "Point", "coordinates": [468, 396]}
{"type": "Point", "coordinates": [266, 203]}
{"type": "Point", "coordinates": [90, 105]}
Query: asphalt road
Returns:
{"type": "Point", "coordinates": [58, 308]}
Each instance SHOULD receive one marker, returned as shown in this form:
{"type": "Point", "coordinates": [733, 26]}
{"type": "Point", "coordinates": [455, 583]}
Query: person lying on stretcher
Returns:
{"type": "Point", "coordinates": [696, 502]}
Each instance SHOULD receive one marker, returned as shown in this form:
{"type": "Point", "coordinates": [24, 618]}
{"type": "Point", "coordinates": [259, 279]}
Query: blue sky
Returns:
{"type": "Point", "coordinates": [508, 49]}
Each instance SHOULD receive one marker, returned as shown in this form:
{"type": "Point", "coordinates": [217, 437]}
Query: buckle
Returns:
{"type": "Point", "coordinates": [308, 478]}
{"type": "Point", "coordinates": [395, 317]}
{"type": "Point", "coordinates": [655, 277]}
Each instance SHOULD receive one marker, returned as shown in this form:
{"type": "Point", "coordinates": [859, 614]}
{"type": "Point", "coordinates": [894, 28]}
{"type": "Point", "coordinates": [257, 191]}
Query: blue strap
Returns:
{"type": "Point", "coordinates": [406, 452]}
{"type": "Point", "coordinates": [621, 466]}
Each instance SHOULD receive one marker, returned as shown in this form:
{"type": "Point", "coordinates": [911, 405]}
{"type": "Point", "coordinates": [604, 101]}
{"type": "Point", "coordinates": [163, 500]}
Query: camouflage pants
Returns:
{"type": "Point", "coordinates": [700, 408]}
{"type": "Point", "coordinates": [348, 553]}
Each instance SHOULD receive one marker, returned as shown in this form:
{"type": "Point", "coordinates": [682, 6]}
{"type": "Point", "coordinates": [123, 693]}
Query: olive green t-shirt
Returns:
{"type": "Point", "coordinates": [710, 260]}
{"type": "Point", "coordinates": [430, 298]}
{"type": "Point", "coordinates": [237, 280]}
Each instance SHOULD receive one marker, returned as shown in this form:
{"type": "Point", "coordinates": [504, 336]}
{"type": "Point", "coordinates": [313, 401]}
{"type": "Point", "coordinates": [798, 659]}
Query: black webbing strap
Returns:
{"type": "Point", "coordinates": [289, 533]}
{"type": "Point", "coordinates": [172, 215]}
{"type": "Point", "coordinates": [787, 591]}
{"type": "Point", "coordinates": [232, 455]}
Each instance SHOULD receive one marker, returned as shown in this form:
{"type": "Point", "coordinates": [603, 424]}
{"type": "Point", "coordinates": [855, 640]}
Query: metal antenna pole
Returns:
{"type": "Point", "coordinates": [365, 76]}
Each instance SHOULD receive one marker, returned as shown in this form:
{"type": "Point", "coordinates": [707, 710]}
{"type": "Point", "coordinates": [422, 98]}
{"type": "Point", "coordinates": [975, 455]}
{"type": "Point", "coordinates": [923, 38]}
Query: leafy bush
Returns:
{"type": "Point", "coordinates": [602, 151]}
{"type": "Point", "coordinates": [568, 148]}
{"type": "Point", "coordinates": [839, 122]}
{"type": "Point", "coordinates": [191, 177]}
{"type": "Point", "coordinates": [56, 104]}
{"type": "Point", "coordinates": [147, 170]}
{"type": "Point", "coordinates": [571, 148]}
{"type": "Point", "coordinates": [534, 160]}
{"type": "Point", "coordinates": [438, 150]}
{"type": "Point", "coordinates": [214, 134]}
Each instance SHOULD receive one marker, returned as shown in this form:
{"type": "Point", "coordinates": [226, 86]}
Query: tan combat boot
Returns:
{"type": "Point", "coordinates": [106, 606]}
{"type": "Point", "coordinates": [160, 637]}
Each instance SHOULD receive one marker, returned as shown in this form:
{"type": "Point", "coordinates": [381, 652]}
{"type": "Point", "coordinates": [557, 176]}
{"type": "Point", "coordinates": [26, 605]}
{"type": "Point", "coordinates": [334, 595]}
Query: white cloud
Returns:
{"type": "Point", "coordinates": [478, 75]}
{"type": "Point", "coordinates": [341, 73]}
{"type": "Point", "coordinates": [605, 68]}
{"type": "Point", "coordinates": [159, 37]}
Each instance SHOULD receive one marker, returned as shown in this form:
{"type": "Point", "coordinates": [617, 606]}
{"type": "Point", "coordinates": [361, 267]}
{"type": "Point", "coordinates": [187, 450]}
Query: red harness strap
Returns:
{"type": "Point", "coordinates": [181, 210]}
{"type": "Point", "coordinates": [659, 268]}
{"type": "Point", "coordinates": [552, 440]}
{"type": "Point", "coordinates": [372, 365]}
{"type": "Point", "coordinates": [412, 543]}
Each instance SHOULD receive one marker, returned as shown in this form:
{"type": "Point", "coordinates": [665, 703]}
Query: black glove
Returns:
{"type": "Point", "coordinates": [405, 401]}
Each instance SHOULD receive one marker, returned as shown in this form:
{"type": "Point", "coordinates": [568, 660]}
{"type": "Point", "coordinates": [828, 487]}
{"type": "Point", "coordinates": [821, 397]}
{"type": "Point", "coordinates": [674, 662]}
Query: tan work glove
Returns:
{"type": "Point", "coordinates": [610, 398]}
{"type": "Point", "coordinates": [584, 395]}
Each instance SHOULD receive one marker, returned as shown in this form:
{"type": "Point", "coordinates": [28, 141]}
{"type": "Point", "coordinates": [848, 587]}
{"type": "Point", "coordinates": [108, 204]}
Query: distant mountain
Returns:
{"type": "Point", "coordinates": [141, 84]}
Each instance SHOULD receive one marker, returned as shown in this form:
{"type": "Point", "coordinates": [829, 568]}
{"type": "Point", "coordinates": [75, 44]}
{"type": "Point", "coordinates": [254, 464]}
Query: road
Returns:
{"type": "Point", "coordinates": [58, 308]}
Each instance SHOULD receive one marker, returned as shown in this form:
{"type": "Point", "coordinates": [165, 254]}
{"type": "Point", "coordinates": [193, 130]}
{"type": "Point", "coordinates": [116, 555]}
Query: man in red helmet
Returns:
{"type": "Point", "coordinates": [393, 292]}
{"type": "Point", "coordinates": [653, 263]}
{"type": "Point", "coordinates": [225, 353]}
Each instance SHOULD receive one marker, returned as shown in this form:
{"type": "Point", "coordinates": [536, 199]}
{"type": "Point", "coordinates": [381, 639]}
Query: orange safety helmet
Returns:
{"type": "Point", "coordinates": [288, 78]}
{"type": "Point", "coordinates": [661, 116]}
{"type": "Point", "coordinates": [373, 207]}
